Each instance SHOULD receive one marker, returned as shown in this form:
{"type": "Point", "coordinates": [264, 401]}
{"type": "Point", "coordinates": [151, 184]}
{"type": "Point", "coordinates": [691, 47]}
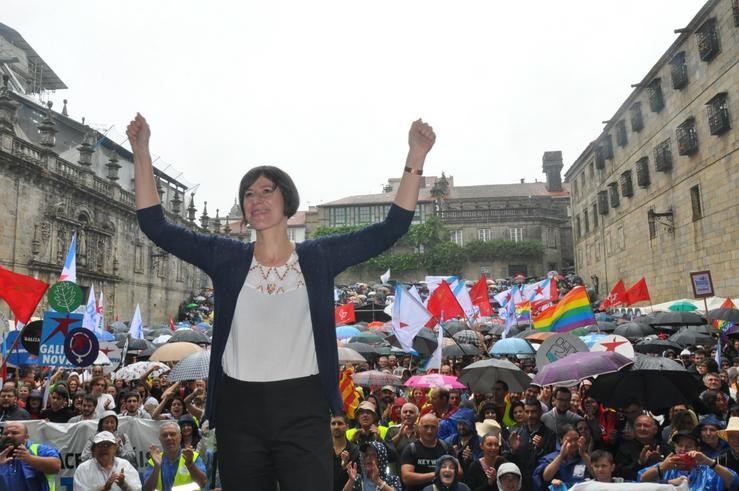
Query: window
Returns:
{"type": "Point", "coordinates": [595, 216]}
{"type": "Point", "coordinates": [600, 160]}
{"type": "Point", "coordinates": [591, 171]}
{"type": "Point", "coordinates": [577, 226]}
{"type": "Point", "coordinates": [718, 114]}
{"type": "Point", "coordinates": [291, 234]}
{"type": "Point", "coordinates": [621, 137]}
{"type": "Point", "coordinates": [663, 157]}
{"type": "Point", "coordinates": [708, 45]}
{"type": "Point", "coordinates": [627, 186]}
{"type": "Point", "coordinates": [337, 216]}
{"type": "Point", "coordinates": [679, 71]}
{"type": "Point", "coordinates": [654, 93]}
{"type": "Point", "coordinates": [642, 172]}
{"type": "Point", "coordinates": [607, 145]}
{"type": "Point", "coordinates": [516, 234]}
{"type": "Point", "coordinates": [603, 202]}
{"type": "Point", "coordinates": [613, 193]}
{"type": "Point", "coordinates": [484, 234]}
{"type": "Point", "coordinates": [574, 186]}
{"type": "Point", "coordinates": [364, 214]}
{"type": "Point", "coordinates": [586, 219]}
{"type": "Point", "coordinates": [637, 122]}
{"type": "Point", "coordinates": [687, 138]}
{"type": "Point", "coordinates": [139, 259]}
{"type": "Point", "coordinates": [652, 224]}
{"type": "Point", "coordinates": [695, 202]}
{"type": "Point", "coordinates": [457, 236]}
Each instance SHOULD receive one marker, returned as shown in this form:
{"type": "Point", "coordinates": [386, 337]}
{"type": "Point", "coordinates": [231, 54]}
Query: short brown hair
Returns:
{"type": "Point", "coordinates": [280, 178]}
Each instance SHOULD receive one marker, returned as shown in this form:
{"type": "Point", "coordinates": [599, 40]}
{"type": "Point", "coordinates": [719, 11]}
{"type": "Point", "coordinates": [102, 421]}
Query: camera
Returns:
{"type": "Point", "coordinates": [687, 461]}
{"type": "Point", "coordinates": [5, 442]}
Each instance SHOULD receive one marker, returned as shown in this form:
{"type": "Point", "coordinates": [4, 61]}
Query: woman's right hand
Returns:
{"type": "Point", "coordinates": [138, 133]}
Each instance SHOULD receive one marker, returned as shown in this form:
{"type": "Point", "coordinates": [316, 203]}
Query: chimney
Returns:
{"type": "Point", "coordinates": [551, 164]}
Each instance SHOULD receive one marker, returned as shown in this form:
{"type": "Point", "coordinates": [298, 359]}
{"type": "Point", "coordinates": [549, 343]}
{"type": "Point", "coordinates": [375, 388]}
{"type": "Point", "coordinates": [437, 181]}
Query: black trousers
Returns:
{"type": "Point", "coordinates": [270, 432]}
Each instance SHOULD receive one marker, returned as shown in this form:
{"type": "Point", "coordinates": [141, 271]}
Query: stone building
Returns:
{"type": "Point", "coordinates": [655, 194]}
{"type": "Point", "coordinates": [59, 177]}
{"type": "Point", "coordinates": [536, 211]}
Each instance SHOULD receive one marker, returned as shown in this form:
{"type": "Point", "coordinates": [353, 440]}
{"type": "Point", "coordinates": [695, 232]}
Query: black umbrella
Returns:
{"type": "Point", "coordinates": [460, 350]}
{"type": "Point", "coordinates": [424, 343]}
{"type": "Point", "coordinates": [499, 329]}
{"type": "Point", "coordinates": [371, 314]}
{"type": "Point", "coordinates": [136, 345]}
{"type": "Point", "coordinates": [453, 327]}
{"type": "Point", "coordinates": [604, 326]}
{"type": "Point", "coordinates": [656, 382]}
{"type": "Point", "coordinates": [692, 336]}
{"type": "Point", "coordinates": [188, 336]}
{"type": "Point", "coordinates": [680, 318]}
{"type": "Point", "coordinates": [362, 348]}
{"type": "Point", "coordinates": [731, 315]}
{"type": "Point", "coordinates": [634, 330]}
{"type": "Point", "coordinates": [656, 346]}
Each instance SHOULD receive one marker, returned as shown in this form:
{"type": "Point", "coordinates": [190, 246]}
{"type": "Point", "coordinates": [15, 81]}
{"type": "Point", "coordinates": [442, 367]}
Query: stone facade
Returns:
{"type": "Point", "coordinates": [525, 211]}
{"type": "Point", "coordinates": [655, 194]}
{"type": "Point", "coordinates": [58, 177]}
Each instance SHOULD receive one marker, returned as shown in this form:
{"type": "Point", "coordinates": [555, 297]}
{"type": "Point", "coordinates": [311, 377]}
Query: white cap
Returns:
{"type": "Point", "coordinates": [104, 436]}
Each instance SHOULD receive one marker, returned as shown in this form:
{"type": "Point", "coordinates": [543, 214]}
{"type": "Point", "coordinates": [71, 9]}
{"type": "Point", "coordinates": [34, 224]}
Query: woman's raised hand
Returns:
{"type": "Point", "coordinates": [138, 133]}
{"type": "Point", "coordinates": [421, 137]}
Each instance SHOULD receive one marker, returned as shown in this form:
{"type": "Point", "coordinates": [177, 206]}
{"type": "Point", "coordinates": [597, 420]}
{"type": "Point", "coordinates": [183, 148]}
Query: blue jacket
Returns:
{"type": "Point", "coordinates": [227, 262]}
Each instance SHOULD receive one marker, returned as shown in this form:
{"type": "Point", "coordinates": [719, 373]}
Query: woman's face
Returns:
{"type": "Point", "coordinates": [187, 430]}
{"type": "Point", "coordinates": [23, 393]}
{"type": "Point", "coordinates": [264, 206]}
{"type": "Point", "coordinates": [490, 414]}
{"type": "Point", "coordinates": [417, 393]}
{"type": "Point", "coordinates": [73, 384]}
{"type": "Point", "coordinates": [519, 415]}
{"type": "Point", "coordinates": [490, 447]}
{"type": "Point", "coordinates": [110, 424]}
{"type": "Point", "coordinates": [176, 407]}
{"type": "Point", "coordinates": [112, 390]}
{"type": "Point", "coordinates": [447, 472]}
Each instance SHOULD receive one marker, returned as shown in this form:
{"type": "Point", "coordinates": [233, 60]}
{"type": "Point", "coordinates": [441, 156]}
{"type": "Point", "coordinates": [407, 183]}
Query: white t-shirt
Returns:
{"type": "Point", "coordinates": [102, 400]}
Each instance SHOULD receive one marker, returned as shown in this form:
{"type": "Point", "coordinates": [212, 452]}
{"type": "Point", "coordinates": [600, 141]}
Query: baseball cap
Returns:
{"type": "Point", "coordinates": [104, 436]}
{"type": "Point", "coordinates": [388, 387]}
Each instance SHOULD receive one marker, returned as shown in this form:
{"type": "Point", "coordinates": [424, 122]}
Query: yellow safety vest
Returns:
{"type": "Point", "coordinates": [182, 476]}
{"type": "Point", "coordinates": [50, 478]}
{"type": "Point", "coordinates": [381, 430]}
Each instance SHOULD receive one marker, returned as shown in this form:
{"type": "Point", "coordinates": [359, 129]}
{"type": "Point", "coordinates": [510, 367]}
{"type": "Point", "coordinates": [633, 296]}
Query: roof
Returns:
{"type": "Point", "coordinates": [485, 191]}
{"type": "Point", "coordinates": [49, 79]}
{"type": "Point", "coordinates": [297, 220]}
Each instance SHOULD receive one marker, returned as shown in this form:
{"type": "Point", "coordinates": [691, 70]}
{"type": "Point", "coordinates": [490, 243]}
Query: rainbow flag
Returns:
{"type": "Point", "coordinates": [571, 312]}
{"type": "Point", "coordinates": [523, 311]}
{"type": "Point", "coordinates": [722, 326]}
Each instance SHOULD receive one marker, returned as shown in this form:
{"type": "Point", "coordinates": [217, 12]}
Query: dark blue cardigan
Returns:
{"type": "Point", "coordinates": [227, 261]}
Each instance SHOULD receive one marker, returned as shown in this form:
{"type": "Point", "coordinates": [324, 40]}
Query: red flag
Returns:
{"type": "Point", "coordinates": [21, 292]}
{"type": "Point", "coordinates": [344, 314]}
{"type": "Point", "coordinates": [616, 297]}
{"type": "Point", "coordinates": [638, 292]}
{"type": "Point", "coordinates": [443, 303]}
{"type": "Point", "coordinates": [728, 304]}
{"type": "Point", "coordinates": [171, 324]}
{"type": "Point", "coordinates": [479, 297]}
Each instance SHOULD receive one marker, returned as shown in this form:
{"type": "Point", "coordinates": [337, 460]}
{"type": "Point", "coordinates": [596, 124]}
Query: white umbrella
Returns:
{"type": "Point", "coordinates": [349, 355]}
{"type": "Point", "coordinates": [134, 371]}
{"type": "Point", "coordinates": [161, 339]}
{"type": "Point", "coordinates": [102, 359]}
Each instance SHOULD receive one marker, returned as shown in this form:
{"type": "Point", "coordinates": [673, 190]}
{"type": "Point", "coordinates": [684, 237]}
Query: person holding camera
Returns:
{"type": "Point", "coordinates": [25, 465]}
{"type": "Point", "coordinates": [689, 465]}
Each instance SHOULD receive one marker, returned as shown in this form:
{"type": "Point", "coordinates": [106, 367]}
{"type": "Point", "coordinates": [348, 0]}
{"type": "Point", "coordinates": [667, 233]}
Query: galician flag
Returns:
{"type": "Point", "coordinates": [90, 317]}
{"type": "Point", "coordinates": [69, 271]}
{"type": "Point", "coordinates": [385, 277]}
{"type": "Point", "coordinates": [435, 360]}
{"type": "Point", "coordinates": [409, 317]}
{"type": "Point", "coordinates": [100, 310]}
{"type": "Point", "coordinates": [136, 330]}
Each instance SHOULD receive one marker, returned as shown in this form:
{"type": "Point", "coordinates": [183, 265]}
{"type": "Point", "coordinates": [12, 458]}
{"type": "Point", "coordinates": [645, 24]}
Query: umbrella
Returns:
{"type": "Point", "coordinates": [372, 313]}
{"type": "Point", "coordinates": [573, 368]}
{"type": "Point", "coordinates": [512, 346]}
{"type": "Point", "coordinates": [162, 339]}
{"type": "Point", "coordinates": [347, 332]}
{"type": "Point", "coordinates": [606, 326]}
{"type": "Point", "coordinates": [105, 335]}
{"type": "Point", "coordinates": [656, 346]}
{"type": "Point", "coordinates": [102, 359]}
{"type": "Point", "coordinates": [349, 355]}
{"type": "Point", "coordinates": [682, 306]}
{"type": "Point", "coordinates": [191, 306]}
{"type": "Point", "coordinates": [367, 337]}
{"type": "Point", "coordinates": [192, 367]}
{"type": "Point", "coordinates": [118, 326]}
{"type": "Point", "coordinates": [363, 348]}
{"type": "Point", "coordinates": [678, 319]}
{"type": "Point", "coordinates": [424, 343]}
{"type": "Point", "coordinates": [481, 375]}
{"type": "Point", "coordinates": [467, 336]}
{"type": "Point", "coordinates": [634, 330]}
{"type": "Point", "coordinates": [199, 298]}
{"type": "Point", "coordinates": [434, 380]}
{"type": "Point", "coordinates": [174, 351]}
{"type": "Point", "coordinates": [135, 345]}
{"type": "Point", "coordinates": [539, 337]}
{"type": "Point", "coordinates": [453, 327]}
{"type": "Point", "coordinates": [189, 336]}
{"type": "Point", "coordinates": [136, 370]}
{"type": "Point", "coordinates": [692, 336]}
{"type": "Point", "coordinates": [375, 377]}
{"type": "Point", "coordinates": [656, 382]}
{"type": "Point", "coordinates": [731, 315]}
{"type": "Point", "coordinates": [460, 350]}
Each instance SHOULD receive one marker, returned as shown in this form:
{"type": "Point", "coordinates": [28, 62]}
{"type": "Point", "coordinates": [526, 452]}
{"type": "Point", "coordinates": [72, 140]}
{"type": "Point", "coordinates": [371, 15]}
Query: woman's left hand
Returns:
{"type": "Point", "coordinates": [421, 137]}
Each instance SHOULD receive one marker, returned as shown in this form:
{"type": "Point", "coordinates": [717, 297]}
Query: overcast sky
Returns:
{"type": "Point", "coordinates": [327, 89]}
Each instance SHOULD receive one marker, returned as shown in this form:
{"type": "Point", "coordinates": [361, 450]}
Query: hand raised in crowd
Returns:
{"type": "Point", "coordinates": [467, 454]}
{"type": "Point", "coordinates": [491, 474]}
{"type": "Point", "coordinates": [514, 441]}
{"type": "Point", "coordinates": [421, 137]}
{"type": "Point", "coordinates": [21, 453]}
{"type": "Point", "coordinates": [115, 478]}
{"type": "Point", "coordinates": [170, 392]}
{"type": "Point", "coordinates": [5, 455]}
{"type": "Point", "coordinates": [344, 458]}
{"type": "Point", "coordinates": [189, 455]}
{"type": "Point", "coordinates": [648, 455]}
{"type": "Point", "coordinates": [351, 471]}
{"type": "Point", "coordinates": [156, 455]}
{"type": "Point", "coordinates": [536, 440]}
{"type": "Point", "coordinates": [582, 446]}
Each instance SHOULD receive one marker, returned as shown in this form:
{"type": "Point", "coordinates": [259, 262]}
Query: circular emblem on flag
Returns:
{"type": "Point", "coordinates": [81, 347]}
{"type": "Point", "coordinates": [31, 337]}
{"type": "Point", "coordinates": [558, 346]}
{"type": "Point", "coordinates": [616, 343]}
{"type": "Point", "coordinates": [65, 296]}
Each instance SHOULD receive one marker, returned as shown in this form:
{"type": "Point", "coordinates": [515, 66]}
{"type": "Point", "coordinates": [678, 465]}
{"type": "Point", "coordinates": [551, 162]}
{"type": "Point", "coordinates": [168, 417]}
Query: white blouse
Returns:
{"type": "Point", "coordinates": [271, 334]}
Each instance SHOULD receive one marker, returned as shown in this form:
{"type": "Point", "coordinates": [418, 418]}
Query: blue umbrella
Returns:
{"type": "Point", "coordinates": [512, 346]}
{"type": "Point", "coordinates": [105, 335]}
{"type": "Point", "coordinates": [347, 332]}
